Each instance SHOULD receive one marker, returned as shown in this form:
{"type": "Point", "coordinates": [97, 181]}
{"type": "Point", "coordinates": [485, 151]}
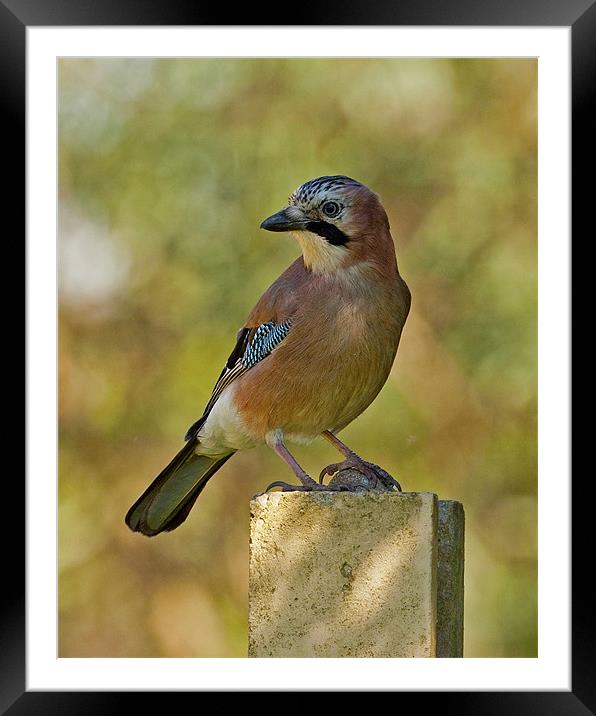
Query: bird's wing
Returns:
{"type": "Point", "coordinates": [252, 346]}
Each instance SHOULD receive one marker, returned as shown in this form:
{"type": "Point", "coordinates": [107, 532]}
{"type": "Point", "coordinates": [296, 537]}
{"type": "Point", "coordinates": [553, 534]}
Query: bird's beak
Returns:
{"type": "Point", "coordinates": [290, 219]}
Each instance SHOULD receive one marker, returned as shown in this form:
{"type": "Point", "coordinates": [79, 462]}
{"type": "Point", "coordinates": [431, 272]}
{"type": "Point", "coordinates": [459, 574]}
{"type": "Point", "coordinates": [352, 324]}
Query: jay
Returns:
{"type": "Point", "coordinates": [313, 354]}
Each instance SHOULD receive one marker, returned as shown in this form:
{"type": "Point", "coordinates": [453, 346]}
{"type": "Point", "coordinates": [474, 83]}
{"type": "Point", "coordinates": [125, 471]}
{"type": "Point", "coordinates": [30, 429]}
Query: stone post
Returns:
{"type": "Point", "coordinates": [355, 574]}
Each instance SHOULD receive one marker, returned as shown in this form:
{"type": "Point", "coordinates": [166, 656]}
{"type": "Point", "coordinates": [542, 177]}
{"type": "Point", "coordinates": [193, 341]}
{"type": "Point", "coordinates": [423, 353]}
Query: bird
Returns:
{"type": "Point", "coordinates": [312, 355]}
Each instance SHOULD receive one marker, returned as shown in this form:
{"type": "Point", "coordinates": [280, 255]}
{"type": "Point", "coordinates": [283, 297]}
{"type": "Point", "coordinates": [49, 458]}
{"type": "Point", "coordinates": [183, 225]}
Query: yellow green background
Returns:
{"type": "Point", "coordinates": [166, 169]}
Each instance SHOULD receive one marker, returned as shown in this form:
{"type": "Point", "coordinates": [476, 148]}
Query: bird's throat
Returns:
{"type": "Point", "coordinates": [319, 255]}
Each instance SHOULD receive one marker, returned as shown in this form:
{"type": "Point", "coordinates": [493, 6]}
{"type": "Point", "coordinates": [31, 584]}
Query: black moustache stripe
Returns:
{"type": "Point", "coordinates": [328, 231]}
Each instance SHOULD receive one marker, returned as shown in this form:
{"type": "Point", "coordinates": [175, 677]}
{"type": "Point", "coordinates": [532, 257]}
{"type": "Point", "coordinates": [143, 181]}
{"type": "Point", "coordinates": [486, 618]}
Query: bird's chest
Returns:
{"type": "Point", "coordinates": [356, 335]}
{"type": "Point", "coordinates": [345, 364]}
{"type": "Point", "coordinates": [329, 368]}
{"type": "Point", "coordinates": [362, 354]}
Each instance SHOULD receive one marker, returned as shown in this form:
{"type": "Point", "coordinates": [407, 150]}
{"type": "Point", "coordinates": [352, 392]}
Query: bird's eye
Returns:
{"type": "Point", "coordinates": [331, 208]}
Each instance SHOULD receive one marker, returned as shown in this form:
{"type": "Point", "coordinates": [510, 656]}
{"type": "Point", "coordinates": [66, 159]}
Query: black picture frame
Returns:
{"type": "Point", "coordinates": [17, 15]}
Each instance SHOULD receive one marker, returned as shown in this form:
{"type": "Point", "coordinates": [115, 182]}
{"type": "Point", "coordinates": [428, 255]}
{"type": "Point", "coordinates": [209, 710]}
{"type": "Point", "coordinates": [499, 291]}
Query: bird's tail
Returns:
{"type": "Point", "coordinates": [165, 504]}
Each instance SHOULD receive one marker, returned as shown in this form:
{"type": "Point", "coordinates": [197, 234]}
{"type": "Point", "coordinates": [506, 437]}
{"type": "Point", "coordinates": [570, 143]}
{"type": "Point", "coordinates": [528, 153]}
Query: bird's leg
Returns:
{"type": "Point", "coordinates": [308, 484]}
{"type": "Point", "coordinates": [354, 461]}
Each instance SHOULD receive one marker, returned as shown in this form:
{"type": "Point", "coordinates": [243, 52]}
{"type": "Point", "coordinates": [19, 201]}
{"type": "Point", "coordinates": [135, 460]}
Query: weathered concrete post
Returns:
{"type": "Point", "coordinates": [450, 579]}
{"type": "Point", "coordinates": [355, 574]}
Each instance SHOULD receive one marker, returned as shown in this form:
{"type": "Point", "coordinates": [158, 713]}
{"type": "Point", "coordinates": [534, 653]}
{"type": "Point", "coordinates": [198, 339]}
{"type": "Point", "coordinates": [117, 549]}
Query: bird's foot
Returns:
{"type": "Point", "coordinates": [375, 476]}
{"type": "Point", "coordinates": [311, 486]}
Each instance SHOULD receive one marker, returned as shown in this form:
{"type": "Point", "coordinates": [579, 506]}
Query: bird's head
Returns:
{"type": "Point", "coordinates": [338, 223]}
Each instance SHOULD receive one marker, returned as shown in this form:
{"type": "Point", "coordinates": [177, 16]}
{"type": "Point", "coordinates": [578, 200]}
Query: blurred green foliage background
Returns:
{"type": "Point", "coordinates": [166, 169]}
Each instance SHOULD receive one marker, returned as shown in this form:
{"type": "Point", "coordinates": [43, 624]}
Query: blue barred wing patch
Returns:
{"type": "Point", "coordinates": [252, 346]}
{"type": "Point", "coordinates": [267, 337]}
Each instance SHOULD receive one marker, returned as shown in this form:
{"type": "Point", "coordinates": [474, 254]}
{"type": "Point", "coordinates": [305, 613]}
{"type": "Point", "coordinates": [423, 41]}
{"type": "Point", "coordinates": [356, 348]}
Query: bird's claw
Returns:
{"type": "Point", "coordinates": [285, 486]}
{"type": "Point", "coordinates": [384, 477]}
{"type": "Point", "coordinates": [371, 471]}
{"type": "Point", "coordinates": [315, 487]}
{"type": "Point", "coordinates": [331, 470]}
